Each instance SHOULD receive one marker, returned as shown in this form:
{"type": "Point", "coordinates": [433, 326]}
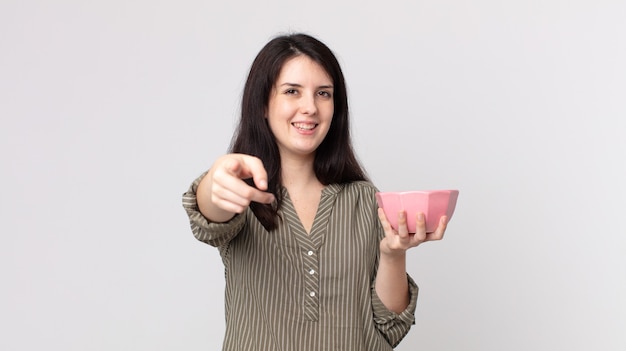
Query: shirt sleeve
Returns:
{"type": "Point", "coordinates": [214, 234]}
{"type": "Point", "coordinates": [394, 326]}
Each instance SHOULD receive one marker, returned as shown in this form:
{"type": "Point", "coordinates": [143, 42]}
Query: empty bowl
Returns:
{"type": "Point", "coordinates": [433, 203]}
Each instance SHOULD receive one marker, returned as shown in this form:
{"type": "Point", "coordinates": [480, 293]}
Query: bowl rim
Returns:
{"type": "Point", "coordinates": [418, 191]}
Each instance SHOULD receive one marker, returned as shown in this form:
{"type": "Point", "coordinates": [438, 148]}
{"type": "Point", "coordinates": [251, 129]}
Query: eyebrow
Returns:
{"type": "Point", "coordinates": [329, 86]}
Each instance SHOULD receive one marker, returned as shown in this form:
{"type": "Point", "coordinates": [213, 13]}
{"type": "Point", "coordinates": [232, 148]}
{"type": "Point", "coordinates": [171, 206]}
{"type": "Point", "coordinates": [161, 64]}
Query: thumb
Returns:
{"type": "Point", "coordinates": [252, 167]}
{"type": "Point", "coordinates": [235, 168]}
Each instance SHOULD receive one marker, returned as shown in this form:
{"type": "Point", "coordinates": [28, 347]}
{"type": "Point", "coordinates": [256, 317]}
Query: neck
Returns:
{"type": "Point", "coordinates": [298, 172]}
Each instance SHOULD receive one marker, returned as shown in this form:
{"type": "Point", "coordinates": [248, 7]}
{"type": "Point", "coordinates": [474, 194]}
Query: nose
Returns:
{"type": "Point", "coordinates": [308, 105]}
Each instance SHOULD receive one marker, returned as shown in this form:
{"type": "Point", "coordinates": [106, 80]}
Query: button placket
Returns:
{"type": "Point", "coordinates": [311, 284]}
{"type": "Point", "coordinates": [310, 244]}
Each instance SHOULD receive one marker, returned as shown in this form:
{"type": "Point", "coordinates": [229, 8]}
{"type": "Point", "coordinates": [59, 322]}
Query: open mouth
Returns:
{"type": "Point", "coordinates": [304, 126]}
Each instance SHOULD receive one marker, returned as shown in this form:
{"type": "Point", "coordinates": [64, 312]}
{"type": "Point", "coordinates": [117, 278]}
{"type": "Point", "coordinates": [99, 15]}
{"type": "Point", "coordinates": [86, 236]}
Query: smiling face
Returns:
{"type": "Point", "coordinates": [300, 107]}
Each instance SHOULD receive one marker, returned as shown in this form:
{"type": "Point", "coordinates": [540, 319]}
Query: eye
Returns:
{"type": "Point", "coordinates": [291, 91]}
{"type": "Point", "coordinates": [324, 93]}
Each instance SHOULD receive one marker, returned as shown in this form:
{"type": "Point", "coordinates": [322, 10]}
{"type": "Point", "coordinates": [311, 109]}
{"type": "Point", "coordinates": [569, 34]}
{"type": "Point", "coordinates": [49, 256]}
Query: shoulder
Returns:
{"type": "Point", "coordinates": [361, 186]}
{"type": "Point", "coordinates": [358, 191]}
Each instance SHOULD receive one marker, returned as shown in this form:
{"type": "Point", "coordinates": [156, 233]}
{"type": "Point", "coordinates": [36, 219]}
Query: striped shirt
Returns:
{"type": "Point", "coordinates": [292, 291]}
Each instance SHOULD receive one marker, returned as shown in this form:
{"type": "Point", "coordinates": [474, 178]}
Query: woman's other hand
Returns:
{"type": "Point", "coordinates": [396, 242]}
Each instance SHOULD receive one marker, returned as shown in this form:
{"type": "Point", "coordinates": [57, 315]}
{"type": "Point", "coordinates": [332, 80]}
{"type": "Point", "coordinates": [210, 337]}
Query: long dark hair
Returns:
{"type": "Point", "coordinates": [335, 160]}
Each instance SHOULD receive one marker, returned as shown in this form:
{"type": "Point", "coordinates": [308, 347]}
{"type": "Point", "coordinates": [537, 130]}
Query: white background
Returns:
{"type": "Point", "coordinates": [109, 109]}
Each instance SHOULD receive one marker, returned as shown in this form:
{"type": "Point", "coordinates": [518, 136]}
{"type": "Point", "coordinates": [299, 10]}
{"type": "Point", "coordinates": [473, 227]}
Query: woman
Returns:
{"type": "Point", "coordinates": [311, 263]}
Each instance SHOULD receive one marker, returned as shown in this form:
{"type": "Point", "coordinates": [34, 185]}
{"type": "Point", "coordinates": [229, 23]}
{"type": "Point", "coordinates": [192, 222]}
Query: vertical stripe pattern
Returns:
{"type": "Point", "coordinates": [292, 291]}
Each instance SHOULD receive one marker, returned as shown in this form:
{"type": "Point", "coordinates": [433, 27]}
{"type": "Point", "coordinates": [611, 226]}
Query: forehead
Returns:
{"type": "Point", "coordinates": [302, 67]}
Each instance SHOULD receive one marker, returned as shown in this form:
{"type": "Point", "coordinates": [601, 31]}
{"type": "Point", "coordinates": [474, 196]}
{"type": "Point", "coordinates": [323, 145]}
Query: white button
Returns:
{"type": "Point", "coordinates": [310, 253]}
{"type": "Point", "coordinates": [312, 271]}
{"type": "Point", "coordinates": [312, 294]}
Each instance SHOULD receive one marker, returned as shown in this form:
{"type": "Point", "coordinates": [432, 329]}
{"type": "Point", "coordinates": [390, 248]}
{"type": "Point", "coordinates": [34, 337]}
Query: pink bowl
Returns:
{"type": "Point", "coordinates": [433, 203]}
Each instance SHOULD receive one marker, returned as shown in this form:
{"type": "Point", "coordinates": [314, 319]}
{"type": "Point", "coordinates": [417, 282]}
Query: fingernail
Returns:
{"type": "Point", "coordinates": [420, 216]}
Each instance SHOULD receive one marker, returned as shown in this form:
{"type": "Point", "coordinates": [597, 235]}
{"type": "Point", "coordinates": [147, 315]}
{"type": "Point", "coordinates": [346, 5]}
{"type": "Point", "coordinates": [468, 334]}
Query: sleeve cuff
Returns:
{"type": "Point", "coordinates": [214, 234]}
{"type": "Point", "coordinates": [384, 317]}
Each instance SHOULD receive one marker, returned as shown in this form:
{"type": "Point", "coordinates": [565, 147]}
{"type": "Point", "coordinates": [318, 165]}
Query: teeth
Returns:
{"type": "Point", "coordinates": [304, 126]}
